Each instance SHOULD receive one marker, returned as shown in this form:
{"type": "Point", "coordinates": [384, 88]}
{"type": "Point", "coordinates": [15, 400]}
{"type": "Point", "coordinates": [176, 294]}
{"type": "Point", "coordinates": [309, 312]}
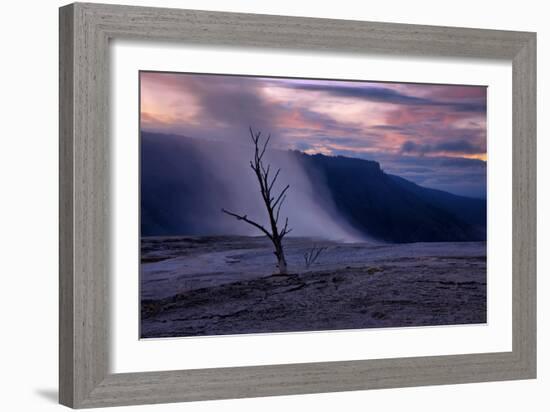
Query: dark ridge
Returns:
{"type": "Point", "coordinates": [180, 194]}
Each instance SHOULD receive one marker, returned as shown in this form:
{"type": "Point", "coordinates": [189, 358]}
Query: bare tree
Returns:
{"type": "Point", "coordinates": [272, 202]}
{"type": "Point", "coordinates": [312, 255]}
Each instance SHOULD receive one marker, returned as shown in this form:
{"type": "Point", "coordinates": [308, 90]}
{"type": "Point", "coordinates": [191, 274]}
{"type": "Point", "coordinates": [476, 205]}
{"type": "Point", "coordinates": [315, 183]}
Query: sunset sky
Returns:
{"type": "Point", "coordinates": [434, 135]}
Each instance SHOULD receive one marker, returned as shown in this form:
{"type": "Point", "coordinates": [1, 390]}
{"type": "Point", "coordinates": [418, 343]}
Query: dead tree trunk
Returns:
{"type": "Point", "coordinates": [272, 202]}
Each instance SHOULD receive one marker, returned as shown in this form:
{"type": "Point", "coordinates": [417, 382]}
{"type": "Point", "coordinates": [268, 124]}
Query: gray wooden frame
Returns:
{"type": "Point", "coordinates": [85, 31]}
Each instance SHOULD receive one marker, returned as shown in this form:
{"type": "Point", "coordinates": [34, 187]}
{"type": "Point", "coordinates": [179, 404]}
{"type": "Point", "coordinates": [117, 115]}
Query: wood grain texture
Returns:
{"type": "Point", "coordinates": [66, 228]}
{"type": "Point", "coordinates": [524, 205]}
{"type": "Point", "coordinates": [85, 31]}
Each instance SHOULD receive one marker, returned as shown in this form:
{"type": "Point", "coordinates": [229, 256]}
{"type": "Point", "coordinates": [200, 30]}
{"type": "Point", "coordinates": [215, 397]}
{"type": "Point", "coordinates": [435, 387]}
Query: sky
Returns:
{"type": "Point", "coordinates": [433, 135]}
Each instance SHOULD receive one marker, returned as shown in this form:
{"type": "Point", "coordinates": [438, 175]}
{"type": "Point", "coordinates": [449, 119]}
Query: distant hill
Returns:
{"type": "Point", "coordinates": [394, 209]}
{"type": "Point", "coordinates": [181, 193]}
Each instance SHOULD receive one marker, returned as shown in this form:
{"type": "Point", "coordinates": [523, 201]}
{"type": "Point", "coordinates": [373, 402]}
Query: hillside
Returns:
{"type": "Point", "coordinates": [184, 183]}
{"type": "Point", "coordinates": [394, 209]}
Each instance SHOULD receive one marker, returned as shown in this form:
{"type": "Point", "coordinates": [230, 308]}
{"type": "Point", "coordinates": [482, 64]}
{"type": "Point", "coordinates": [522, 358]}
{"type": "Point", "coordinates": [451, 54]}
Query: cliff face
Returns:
{"type": "Point", "coordinates": [394, 209]}
{"type": "Point", "coordinates": [182, 193]}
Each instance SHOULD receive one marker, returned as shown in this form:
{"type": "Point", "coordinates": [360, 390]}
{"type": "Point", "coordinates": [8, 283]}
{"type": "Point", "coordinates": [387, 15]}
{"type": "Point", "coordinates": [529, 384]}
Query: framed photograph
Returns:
{"type": "Point", "coordinates": [255, 205]}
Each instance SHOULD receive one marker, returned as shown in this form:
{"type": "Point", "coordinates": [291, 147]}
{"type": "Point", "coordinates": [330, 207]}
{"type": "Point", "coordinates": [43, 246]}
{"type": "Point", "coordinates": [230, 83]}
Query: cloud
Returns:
{"type": "Point", "coordinates": [391, 96]}
{"type": "Point", "coordinates": [453, 146]}
{"type": "Point", "coordinates": [398, 124]}
{"type": "Point", "coordinates": [459, 146]}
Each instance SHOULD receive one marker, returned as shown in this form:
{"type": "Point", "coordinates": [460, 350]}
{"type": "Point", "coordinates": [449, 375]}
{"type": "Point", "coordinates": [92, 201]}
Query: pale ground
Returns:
{"type": "Point", "coordinates": [229, 285]}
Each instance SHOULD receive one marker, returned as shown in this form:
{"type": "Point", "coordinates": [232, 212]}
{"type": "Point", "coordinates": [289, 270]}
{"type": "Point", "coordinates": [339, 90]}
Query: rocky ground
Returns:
{"type": "Point", "coordinates": [192, 286]}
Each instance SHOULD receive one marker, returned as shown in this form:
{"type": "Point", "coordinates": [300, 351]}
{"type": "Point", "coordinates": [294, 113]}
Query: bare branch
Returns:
{"type": "Point", "coordinates": [265, 146]}
{"type": "Point", "coordinates": [274, 179]}
{"type": "Point", "coordinates": [254, 140]}
{"type": "Point", "coordinates": [312, 255]}
{"type": "Point", "coordinates": [285, 230]}
{"type": "Point", "coordinates": [266, 171]}
{"type": "Point", "coordinates": [279, 209]}
{"type": "Point", "coordinates": [281, 195]}
{"type": "Point", "coordinates": [247, 220]}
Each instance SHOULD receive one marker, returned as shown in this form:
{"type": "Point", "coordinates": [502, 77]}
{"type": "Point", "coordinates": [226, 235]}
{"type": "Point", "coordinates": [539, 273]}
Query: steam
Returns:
{"type": "Point", "coordinates": [223, 151]}
{"type": "Point", "coordinates": [309, 207]}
